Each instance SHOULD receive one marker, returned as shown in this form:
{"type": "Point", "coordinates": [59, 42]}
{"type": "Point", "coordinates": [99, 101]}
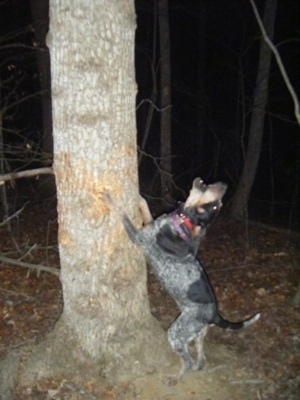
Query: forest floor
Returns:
{"type": "Point", "coordinates": [254, 272]}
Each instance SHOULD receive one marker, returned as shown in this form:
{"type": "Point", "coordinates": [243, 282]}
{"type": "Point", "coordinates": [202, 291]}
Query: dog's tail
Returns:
{"type": "Point", "coordinates": [224, 324]}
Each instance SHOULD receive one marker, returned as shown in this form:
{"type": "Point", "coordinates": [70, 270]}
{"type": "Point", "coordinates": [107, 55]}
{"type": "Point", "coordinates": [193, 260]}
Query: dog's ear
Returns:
{"type": "Point", "coordinates": [172, 244]}
{"type": "Point", "coordinates": [198, 184]}
{"type": "Point", "coordinates": [196, 192]}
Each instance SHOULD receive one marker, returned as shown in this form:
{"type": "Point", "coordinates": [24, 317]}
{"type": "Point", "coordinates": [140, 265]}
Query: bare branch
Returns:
{"type": "Point", "coordinates": [28, 252]}
{"type": "Point", "coordinates": [51, 270]}
{"type": "Point", "coordinates": [153, 105]}
{"type": "Point", "coordinates": [17, 294]}
{"type": "Point", "coordinates": [25, 174]}
{"type": "Point", "coordinates": [279, 62]}
{"type": "Point", "coordinates": [19, 101]}
{"type": "Point", "coordinates": [13, 215]}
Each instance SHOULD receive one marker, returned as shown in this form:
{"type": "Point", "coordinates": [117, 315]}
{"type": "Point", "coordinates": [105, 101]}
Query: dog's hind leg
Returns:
{"type": "Point", "coordinates": [185, 329]}
{"type": "Point", "coordinates": [199, 343]}
{"type": "Point", "coordinates": [187, 363]}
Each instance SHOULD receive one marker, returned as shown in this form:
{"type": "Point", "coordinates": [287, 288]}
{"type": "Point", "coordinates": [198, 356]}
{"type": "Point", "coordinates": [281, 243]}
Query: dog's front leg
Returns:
{"type": "Point", "coordinates": [146, 214]}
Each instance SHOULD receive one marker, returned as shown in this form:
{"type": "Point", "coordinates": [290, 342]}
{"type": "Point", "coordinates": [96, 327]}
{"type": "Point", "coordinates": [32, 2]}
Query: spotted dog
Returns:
{"type": "Point", "coordinates": [170, 244]}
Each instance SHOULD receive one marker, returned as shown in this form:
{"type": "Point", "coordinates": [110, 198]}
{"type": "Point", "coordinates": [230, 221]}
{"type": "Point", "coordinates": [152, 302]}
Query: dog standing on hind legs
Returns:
{"type": "Point", "coordinates": [170, 244]}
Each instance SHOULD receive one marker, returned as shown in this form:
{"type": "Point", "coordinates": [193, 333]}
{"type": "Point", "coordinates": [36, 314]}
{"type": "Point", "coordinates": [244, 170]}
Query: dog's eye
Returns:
{"type": "Point", "coordinates": [215, 207]}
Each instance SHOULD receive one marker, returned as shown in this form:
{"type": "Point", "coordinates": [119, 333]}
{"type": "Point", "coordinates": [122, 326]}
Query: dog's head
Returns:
{"type": "Point", "coordinates": [190, 220]}
{"type": "Point", "coordinates": [204, 202]}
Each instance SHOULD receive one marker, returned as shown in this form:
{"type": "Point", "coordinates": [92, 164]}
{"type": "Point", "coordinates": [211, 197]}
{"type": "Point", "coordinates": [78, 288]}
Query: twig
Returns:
{"type": "Point", "coordinates": [13, 215]}
{"type": "Point", "coordinates": [17, 294]}
{"type": "Point", "coordinates": [248, 381]}
{"type": "Point", "coordinates": [153, 105]}
{"type": "Point", "coordinates": [32, 339]}
{"type": "Point", "coordinates": [51, 270]}
{"type": "Point", "coordinates": [222, 366]}
{"type": "Point", "coordinates": [28, 251]}
{"type": "Point", "coordinates": [83, 393]}
{"type": "Point", "coordinates": [47, 241]}
{"type": "Point", "coordinates": [25, 174]}
{"type": "Point", "coordinates": [279, 62]}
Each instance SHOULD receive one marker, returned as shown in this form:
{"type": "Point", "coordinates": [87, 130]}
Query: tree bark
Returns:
{"type": "Point", "coordinates": [106, 328]}
{"type": "Point", "coordinates": [241, 197]}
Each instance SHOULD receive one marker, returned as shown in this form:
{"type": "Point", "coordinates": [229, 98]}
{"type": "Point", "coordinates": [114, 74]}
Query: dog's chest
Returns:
{"type": "Point", "coordinates": [175, 273]}
{"type": "Point", "coordinates": [172, 271]}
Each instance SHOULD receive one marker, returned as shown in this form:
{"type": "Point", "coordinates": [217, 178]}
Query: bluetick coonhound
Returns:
{"type": "Point", "coordinates": [170, 244]}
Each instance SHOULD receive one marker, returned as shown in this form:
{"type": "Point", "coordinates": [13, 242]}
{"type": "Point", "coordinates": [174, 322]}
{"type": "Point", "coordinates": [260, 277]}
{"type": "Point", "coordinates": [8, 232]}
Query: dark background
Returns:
{"type": "Point", "coordinates": [214, 55]}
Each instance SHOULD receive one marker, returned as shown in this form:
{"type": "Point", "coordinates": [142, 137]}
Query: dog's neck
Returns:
{"type": "Point", "coordinates": [184, 226]}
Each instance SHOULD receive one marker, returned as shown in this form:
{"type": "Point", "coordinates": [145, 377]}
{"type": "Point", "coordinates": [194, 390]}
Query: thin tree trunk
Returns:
{"type": "Point", "coordinates": [40, 21]}
{"type": "Point", "coordinates": [165, 100]}
{"type": "Point", "coordinates": [199, 135]}
{"type": "Point", "coordinates": [2, 168]}
{"type": "Point", "coordinates": [106, 328]}
{"type": "Point", "coordinates": [240, 200]}
{"type": "Point", "coordinates": [153, 97]}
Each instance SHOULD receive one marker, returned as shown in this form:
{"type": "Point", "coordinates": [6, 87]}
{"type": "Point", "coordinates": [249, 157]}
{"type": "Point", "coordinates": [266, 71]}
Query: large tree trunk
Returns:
{"type": "Point", "coordinates": [240, 200]}
{"type": "Point", "coordinates": [106, 327]}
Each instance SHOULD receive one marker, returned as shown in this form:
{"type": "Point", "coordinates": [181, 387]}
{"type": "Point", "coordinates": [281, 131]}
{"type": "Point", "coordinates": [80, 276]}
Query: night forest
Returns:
{"type": "Point", "coordinates": [214, 50]}
{"type": "Point", "coordinates": [210, 55]}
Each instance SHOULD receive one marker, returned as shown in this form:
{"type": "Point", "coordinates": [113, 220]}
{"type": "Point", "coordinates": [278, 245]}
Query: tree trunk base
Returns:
{"type": "Point", "coordinates": [9, 375]}
{"type": "Point", "coordinates": [60, 355]}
